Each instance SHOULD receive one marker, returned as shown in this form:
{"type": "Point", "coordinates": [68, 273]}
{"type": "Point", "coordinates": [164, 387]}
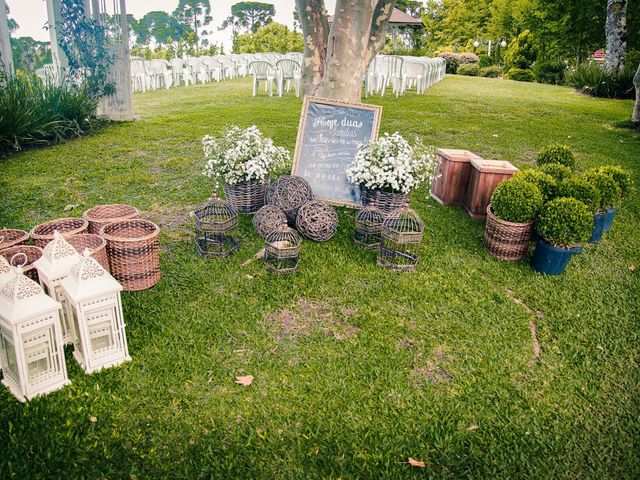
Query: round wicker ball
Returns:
{"type": "Point", "coordinates": [269, 219]}
{"type": "Point", "coordinates": [289, 193]}
{"type": "Point", "coordinates": [317, 221]}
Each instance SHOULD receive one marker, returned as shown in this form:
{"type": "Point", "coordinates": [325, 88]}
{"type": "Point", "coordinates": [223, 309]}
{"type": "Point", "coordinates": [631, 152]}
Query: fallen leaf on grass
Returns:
{"type": "Point", "coordinates": [70, 207]}
{"type": "Point", "coordinates": [416, 463]}
{"type": "Point", "coordinates": [93, 419]}
{"type": "Point", "coordinates": [632, 268]}
{"type": "Point", "coordinates": [472, 427]}
{"type": "Point", "coordinates": [245, 380]}
{"type": "Point", "coordinates": [257, 256]}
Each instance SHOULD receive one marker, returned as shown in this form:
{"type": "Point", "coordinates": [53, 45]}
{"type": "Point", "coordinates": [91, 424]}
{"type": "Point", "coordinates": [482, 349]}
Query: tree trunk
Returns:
{"type": "Point", "coordinates": [636, 109]}
{"type": "Point", "coordinates": [336, 59]}
{"type": "Point", "coordinates": [616, 31]}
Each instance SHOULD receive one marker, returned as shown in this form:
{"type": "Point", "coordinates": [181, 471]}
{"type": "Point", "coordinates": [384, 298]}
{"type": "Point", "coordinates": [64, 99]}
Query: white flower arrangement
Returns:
{"type": "Point", "coordinates": [391, 164]}
{"type": "Point", "coordinates": [242, 154]}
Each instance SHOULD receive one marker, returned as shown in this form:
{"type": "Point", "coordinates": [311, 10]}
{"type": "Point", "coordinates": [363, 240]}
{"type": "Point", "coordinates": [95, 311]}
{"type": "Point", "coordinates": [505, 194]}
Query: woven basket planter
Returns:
{"type": "Point", "coordinates": [384, 201]}
{"type": "Point", "coordinates": [95, 243]}
{"type": "Point", "coordinates": [43, 233]}
{"type": "Point", "coordinates": [99, 216]}
{"type": "Point", "coordinates": [23, 256]}
{"type": "Point", "coordinates": [10, 237]}
{"type": "Point", "coordinates": [247, 196]}
{"type": "Point", "coordinates": [506, 240]}
{"type": "Point", "coordinates": [132, 248]}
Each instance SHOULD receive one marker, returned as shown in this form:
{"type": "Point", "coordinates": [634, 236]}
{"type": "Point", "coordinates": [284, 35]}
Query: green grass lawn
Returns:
{"type": "Point", "coordinates": [356, 368]}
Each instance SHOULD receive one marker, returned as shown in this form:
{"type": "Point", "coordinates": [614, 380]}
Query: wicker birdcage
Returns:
{"type": "Point", "coordinates": [317, 220]}
{"type": "Point", "coordinates": [269, 219]}
{"type": "Point", "coordinates": [42, 234]}
{"type": "Point", "coordinates": [23, 256]}
{"type": "Point", "coordinates": [368, 227]}
{"type": "Point", "coordinates": [99, 216]}
{"type": "Point", "coordinates": [246, 196]}
{"type": "Point", "coordinates": [289, 193]}
{"type": "Point", "coordinates": [10, 237]}
{"type": "Point", "coordinates": [401, 234]}
{"type": "Point", "coordinates": [214, 223]}
{"type": "Point", "coordinates": [282, 251]}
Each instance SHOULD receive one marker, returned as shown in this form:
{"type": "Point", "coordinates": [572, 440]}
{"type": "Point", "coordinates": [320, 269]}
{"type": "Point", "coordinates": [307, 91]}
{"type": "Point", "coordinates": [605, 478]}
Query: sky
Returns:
{"type": "Point", "coordinates": [31, 15]}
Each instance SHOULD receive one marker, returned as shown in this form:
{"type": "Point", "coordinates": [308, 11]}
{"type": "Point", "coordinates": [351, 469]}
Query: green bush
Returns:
{"type": "Point", "coordinates": [469, 69]}
{"type": "Point", "coordinates": [595, 80]}
{"type": "Point", "coordinates": [621, 176]}
{"type": "Point", "coordinates": [549, 72]}
{"type": "Point", "coordinates": [565, 222]}
{"type": "Point", "coordinates": [485, 61]}
{"type": "Point", "coordinates": [545, 182]}
{"type": "Point", "coordinates": [580, 189]}
{"type": "Point", "coordinates": [520, 75]}
{"type": "Point", "coordinates": [516, 201]}
{"type": "Point", "coordinates": [34, 113]}
{"type": "Point", "coordinates": [556, 154]}
{"type": "Point", "coordinates": [557, 171]}
{"type": "Point", "coordinates": [454, 60]}
{"type": "Point", "coordinates": [607, 188]}
{"type": "Point", "coordinates": [493, 71]}
{"type": "Point", "coordinates": [521, 53]}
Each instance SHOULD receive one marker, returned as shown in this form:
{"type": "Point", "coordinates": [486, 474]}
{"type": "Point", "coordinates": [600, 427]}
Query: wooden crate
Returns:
{"type": "Point", "coordinates": [454, 168]}
{"type": "Point", "coordinates": [484, 177]}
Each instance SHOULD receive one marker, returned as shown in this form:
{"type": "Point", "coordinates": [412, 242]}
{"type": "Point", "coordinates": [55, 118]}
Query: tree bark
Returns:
{"type": "Point", "coordinates": [336, 59]}
{"type": "Point", "coordinates": [636, 109]}
{"type": "Point", "coordinates": [616, 32]}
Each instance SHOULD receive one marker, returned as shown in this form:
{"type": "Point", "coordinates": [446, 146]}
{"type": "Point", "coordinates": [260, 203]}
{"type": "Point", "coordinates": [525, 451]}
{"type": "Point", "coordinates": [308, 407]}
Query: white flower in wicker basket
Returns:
{"type": "Point", "coordinates": [392, 164]}
{"type": "Point", "coordinates": [242, 154]}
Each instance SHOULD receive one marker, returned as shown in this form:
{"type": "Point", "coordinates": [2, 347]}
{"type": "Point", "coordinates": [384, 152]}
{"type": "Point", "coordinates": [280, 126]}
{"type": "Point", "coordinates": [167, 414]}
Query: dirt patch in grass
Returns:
{"type": "Point", "coordinates": [432, 370]}
{"type": "Point", "coordinates": [307, 317]}
{"type": "Point", "coordinates": [174, 221]}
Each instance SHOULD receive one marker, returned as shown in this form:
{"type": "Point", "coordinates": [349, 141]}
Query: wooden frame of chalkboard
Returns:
{"type": "Point", "coordinates": [329, 134]}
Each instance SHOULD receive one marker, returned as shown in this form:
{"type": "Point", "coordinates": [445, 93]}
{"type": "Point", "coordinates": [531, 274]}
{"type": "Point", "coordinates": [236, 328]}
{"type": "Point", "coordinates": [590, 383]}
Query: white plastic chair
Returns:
{"type": "Point", "coordinates": [391, 74]}
{"type": "Point", "coordinates": [288, 71]}
{"type": "Point", "coordinates": [262, 72]}
{"type": "Point", "coordinates": [180, 72]}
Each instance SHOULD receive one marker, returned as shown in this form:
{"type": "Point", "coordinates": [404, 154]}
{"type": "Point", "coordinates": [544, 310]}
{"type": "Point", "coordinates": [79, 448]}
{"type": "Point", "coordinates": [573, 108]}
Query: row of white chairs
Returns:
{"type": "Point", "coordinates": [403, 73]}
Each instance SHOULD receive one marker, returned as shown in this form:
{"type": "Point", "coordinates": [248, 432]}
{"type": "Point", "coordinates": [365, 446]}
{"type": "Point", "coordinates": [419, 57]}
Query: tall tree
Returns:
{"type": "Point", "coordinates": [337, 57]}
{"type": "Point", "coordinates": [194, 15]}
{"type": "Point", "coordinates": [249, 16]}
{"type": "Point", "coordinates": [636, 109]}
{"type": "Point", "coordinates": [616, 32]}
{"type": "Point", "coordinates": [160, 27]}
{"type": "Point", "coordinates": [274, 37]}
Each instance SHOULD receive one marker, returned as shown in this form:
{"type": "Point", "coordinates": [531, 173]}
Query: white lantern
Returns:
{"type": "Point", "coordinates": [94, 297]}
{"type": "Point", "coordinates": [54, 265]}
{"type": "Point", "coordinates": [6, 272]}
{"type": "Point", "coordinates": [31, 348]}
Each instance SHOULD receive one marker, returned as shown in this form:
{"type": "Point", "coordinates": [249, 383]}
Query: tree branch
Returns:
{"type": "Point", "coordinates": [379, 22]}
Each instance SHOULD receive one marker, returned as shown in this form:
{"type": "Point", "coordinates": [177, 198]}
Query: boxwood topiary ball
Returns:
{"type": "Point", "coordinates": [557, 154]}
{"type": "Point", "coordinates": [580, 189]}
{"type": "Point", "coordinates": [607, 188]}
{"type": "Point", "coordinates": [621, 176]}
{"type": "Point", "coordinates": [269, 219]}
{"type": "Point", "coordinates": [557, 171]}
{"type": "Point", "coordinates": [565, 222]}
{"type": "Point", "coordinates": [545, 183]}
{"type": "Point", "coordinates": [317, 221]}
{"type": "Point", "coordinates": [516, 201]}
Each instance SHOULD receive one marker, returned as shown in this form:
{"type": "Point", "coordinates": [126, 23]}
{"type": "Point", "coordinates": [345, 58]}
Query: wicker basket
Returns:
{"type": "Point", "coordinates": [99, 216]}
{"type": "Point", "coordinates": [506, 240]}
{"type": "Point", "coordinates": [247, 196]}
{"type": "Point", "coordinates": [10, 237]}
{"type": "Point", "coordinates": [132, 248]}
{"type": "Point", "coordinates": [95, 243]}
{"type": "Point", "coordinates": [18, 253]}
{"type": "Point", "coordinates": [384, 201]}
{"type": "Point", "coordinates": [43, 233]}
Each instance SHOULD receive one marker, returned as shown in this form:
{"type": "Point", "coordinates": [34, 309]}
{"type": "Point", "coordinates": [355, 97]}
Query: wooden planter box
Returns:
{"type": "Point", "coordinates": [484, 177]}
{"type": "Point", "coordinates": [454, 167]}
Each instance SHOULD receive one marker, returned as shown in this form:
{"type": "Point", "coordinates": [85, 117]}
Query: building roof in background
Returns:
{"type": "Point", "coordinates": [398, 19]}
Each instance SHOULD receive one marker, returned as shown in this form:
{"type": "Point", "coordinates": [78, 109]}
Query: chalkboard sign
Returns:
{"type": "Point", "coordinates": [329, 135]}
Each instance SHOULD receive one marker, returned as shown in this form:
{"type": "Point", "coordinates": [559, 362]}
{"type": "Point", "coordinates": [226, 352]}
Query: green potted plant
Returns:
{"type": "Point", "coordinates": [562, 225]}
{"type": "Point", "coordinates": [584, 191]}
{"type": "Point", "coordinates": [556, 154]}
{"type": "Point", "coordinates": [609, 193]}
{"type": "Point", "coordinates": [557, 171]}
{"type": "Point", "coordinates": [510, 216]}
{"type": "Point", "coordinates": [623, 179]}
{"type": "Point", "coordinates": [547, 185]}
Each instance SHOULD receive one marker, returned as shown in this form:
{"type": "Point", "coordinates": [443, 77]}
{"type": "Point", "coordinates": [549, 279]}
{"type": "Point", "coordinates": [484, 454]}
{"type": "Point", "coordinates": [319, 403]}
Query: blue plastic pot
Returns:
{"type": "Point", "coordinates": [598, 226]}
{"type": "Point", "coordinates": [549, 259]}
{"type": "Point", "coordinates": [608, 218]}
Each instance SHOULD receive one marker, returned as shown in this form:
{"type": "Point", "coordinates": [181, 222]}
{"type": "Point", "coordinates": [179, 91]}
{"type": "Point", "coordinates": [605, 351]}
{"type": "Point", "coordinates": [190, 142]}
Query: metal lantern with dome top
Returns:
{"type": "Point", "coordinates": [31, 347]}
{"type": "Point", "coordinates": [99, 330]}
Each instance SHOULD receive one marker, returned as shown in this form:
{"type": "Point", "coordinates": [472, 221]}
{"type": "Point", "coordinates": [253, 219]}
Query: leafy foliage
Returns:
{"type": "Point", "coordinates": [193, 15]}
{"type": "Point", "coordinates": [34, 113]}
{"type": "Point", "coordinates": [555, 153]}
{"type": "Point", "coordinates": [273, 37]}
{"type": "Point", "coordinates": [621, 176]}
{"type": "Point", "coordinates": [608, 190]}
{"type": "Point", "coordinates": [516, 200]}
{"type": "Point", "coordinates": [549, 72]}
{"type": "Point", "coordinates": [546, 183]}
{"type": "Point", "coordinates": [454, 60]}
{"type": "Point", "coordinates": [558, 171]}
{"type": "Point", "coordinates": [580, 189]}
{"type": "Point", "coordinates": [597, 81]}
{"type": "Point", "coordinates": [493, 71]}
{"type": "Point", "coordinates": [250, 16]}
{"type": "Point", "coordinates": [469, 69]}
{"type": "Point", "coordinates": [520, 75]}
{"type": "Point", "coordinates": [565, 222]}
{"type": "Point", "coordinates": [521, 53]}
